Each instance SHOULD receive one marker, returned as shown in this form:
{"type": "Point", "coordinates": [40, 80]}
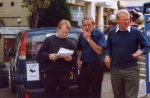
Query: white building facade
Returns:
{"type": "Point", "coordinates": [100, 10]}
{"type": "Point", "coordinates": [132, 3]}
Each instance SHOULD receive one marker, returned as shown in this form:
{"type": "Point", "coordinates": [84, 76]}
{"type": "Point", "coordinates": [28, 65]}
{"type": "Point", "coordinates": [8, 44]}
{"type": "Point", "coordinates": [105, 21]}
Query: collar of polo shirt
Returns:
{"type": "Point", "coordinates": [128, 29]}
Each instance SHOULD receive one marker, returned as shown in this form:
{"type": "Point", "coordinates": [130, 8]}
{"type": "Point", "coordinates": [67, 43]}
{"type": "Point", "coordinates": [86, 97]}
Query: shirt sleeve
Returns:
{"type": "Point", "coordinates": [43, 52]}
{"type": "Point", "coordinates": [74, 56]}
{"type": "Point", "coordinates": [143, 43]}
{"type": "Point", "coordinates": [109, 45]}
{"type": "Point", "coordinates": [79, 45]}
{"type": "Point", "coordinates": [102, 41]}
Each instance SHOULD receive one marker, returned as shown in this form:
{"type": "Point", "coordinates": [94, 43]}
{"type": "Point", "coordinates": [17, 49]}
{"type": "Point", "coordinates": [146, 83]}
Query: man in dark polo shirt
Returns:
{"type": "Point", "coordinates": [125, 44]}
{"type": "Point", "coordinates": [90, 47]}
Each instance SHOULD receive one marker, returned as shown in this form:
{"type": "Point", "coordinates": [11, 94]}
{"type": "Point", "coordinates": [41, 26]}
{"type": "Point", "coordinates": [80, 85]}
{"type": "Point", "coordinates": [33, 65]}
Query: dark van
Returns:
{"type": "Point", "coordinates": [26, 73]}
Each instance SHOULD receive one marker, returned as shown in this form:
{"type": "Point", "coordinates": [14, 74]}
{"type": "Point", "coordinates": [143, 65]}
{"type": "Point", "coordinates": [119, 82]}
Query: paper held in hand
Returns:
{"type": "Point", "coordinates": [64, 52]}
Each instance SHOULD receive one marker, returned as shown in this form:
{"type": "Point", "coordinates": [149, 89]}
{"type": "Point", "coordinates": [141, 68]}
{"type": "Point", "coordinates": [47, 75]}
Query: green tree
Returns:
{"type": "Point", "coordinates": [35, 6]}
{"type": "Point", "coordinates": [57, 11]}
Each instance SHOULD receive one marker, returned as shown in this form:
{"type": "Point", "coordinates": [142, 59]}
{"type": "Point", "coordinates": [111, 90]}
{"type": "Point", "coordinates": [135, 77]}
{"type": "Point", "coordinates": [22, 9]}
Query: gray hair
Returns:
{"type": "Point", "coordinates": [123, 11]}
{"type": "Point", "coordinates": [88, 18]}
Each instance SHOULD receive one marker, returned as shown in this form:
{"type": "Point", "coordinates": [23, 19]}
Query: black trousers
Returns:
{"type": "Point", "coordinates": [57, 85]}
{"type": "Point", "coordinates": [90, 80]}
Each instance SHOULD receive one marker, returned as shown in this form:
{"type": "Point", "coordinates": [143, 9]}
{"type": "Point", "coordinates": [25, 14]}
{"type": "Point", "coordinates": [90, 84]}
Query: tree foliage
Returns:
{"type": "Point", "coordinates": [57, 11]}
{"type": "Point", "coordinates": [35, 6]}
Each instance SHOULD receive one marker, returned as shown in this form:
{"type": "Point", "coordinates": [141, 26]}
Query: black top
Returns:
{"type": "Point", "coordinates": [122, 44]}
{"type": "Point", "coordinates": [50, 45]}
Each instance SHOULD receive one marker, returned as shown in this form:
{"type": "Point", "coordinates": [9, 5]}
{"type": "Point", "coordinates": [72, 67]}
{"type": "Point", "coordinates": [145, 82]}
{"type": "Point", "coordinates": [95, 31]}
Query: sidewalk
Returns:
{"type": "Point", "coordinates": [106, 86]}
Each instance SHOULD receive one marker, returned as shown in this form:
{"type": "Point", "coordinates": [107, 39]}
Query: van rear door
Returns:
{"type": "Point", "coordinates": [33, 72]}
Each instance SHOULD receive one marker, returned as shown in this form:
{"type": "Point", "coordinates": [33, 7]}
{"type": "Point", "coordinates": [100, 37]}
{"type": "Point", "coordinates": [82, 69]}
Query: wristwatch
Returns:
{"type": "Point", "coordinates": [88, 39]}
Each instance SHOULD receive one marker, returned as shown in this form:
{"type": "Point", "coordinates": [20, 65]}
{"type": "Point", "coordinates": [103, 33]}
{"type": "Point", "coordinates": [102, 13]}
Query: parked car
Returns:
{"type": "Point", "coordinates": [26, 73]}
{"type": "Point", "coordinates": [4, 75]}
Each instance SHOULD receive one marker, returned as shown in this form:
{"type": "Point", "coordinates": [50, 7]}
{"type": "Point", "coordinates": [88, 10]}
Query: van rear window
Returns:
{"type": "Point", "coordinates": [72, 35]}
{"type": "Point", "coordinates": [33, 45]}
{"type": "Point", "coordinates": [32, 50]}
{"type": "Point", "coordinates": [36, 38]}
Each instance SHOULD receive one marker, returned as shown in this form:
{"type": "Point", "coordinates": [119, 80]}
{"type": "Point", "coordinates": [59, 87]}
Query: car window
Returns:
{"type": "Point", "coordinates": [72, 35]}
{"type": "Point", "coordinates": [36, 38]}
{"type": "Point", "coordinates": [32, 50]}
{"type": "Point", "coordinates": [34, 43]}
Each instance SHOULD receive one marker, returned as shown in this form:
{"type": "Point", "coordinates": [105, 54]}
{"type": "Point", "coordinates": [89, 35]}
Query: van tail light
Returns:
{"type": "Point", "coordinates": [27, 96]}
{"type": "Point", "coordinates": [22, 50]}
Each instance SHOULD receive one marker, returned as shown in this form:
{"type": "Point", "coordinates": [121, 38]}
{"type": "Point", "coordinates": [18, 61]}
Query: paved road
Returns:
{"type": "Point", "coordinates": [106, 89]}
{"type": "Point", "coordinates": [106, 86]}
{"type": "Point", "coordinates": [6, 93]}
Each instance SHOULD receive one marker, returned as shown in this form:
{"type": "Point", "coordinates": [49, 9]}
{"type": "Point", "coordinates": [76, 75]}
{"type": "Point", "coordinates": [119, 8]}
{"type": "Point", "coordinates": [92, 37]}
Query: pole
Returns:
{"type": "Point", "coordinates": [147, 32]}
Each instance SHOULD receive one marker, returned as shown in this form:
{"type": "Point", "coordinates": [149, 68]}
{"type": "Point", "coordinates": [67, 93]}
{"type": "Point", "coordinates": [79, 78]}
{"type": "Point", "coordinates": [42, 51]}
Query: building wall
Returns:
{"type": "Point", "coordinates": [1, 48]}
{"type": "Point", "coordinates": [9, 14]}
{"type": "Point", "coordinates": [129, 3]}
{"type": "Point", "coordinates": [87, 9]}
{"type": "Point", "coordinates": [104, 4]}
{"type": "Point", "coordinates": [90, 10]}
{"type": "Point", "coordinates": [76, 7]}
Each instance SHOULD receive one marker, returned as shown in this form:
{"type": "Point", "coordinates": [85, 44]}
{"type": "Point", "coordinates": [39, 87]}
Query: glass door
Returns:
{"type": "Point", "coordinates": [8, 45]}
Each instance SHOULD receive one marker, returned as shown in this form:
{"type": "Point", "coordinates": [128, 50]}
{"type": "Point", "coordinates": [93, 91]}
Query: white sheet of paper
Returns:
{"type": "Point", "coordinates": [33, 72]}
{"type": "Point", "coordinates": [64, 52]}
